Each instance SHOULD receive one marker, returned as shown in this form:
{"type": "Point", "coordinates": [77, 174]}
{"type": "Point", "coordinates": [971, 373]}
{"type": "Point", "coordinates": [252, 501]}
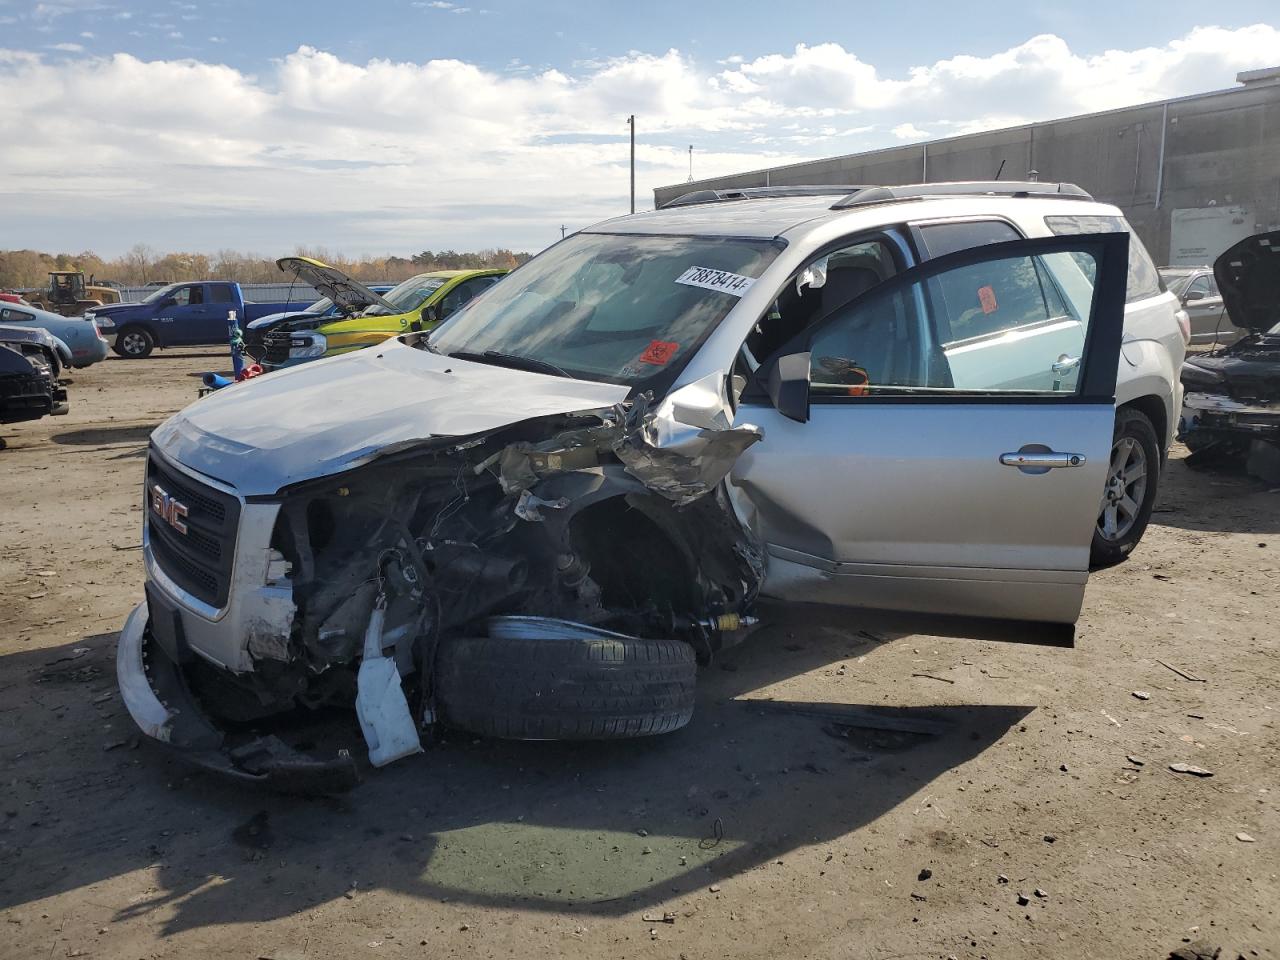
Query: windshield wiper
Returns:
{"type": "Point", "coordinates": [513, 361]}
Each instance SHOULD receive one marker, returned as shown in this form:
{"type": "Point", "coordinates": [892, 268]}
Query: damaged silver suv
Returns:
{"type": "Point", "coordinates": [535, 521]}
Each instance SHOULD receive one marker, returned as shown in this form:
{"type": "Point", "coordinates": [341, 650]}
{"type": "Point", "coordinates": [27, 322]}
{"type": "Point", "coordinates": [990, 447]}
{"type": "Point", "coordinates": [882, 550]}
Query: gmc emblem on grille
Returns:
{"type": "Point", "coordinates": [168, 509]}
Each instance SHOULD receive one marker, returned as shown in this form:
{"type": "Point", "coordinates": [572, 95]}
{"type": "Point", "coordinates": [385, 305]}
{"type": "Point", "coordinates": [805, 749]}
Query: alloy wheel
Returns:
{"type": "Point", "coordinates": [1125, 490]}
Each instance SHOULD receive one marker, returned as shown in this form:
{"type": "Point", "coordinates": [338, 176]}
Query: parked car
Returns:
{"type": "Point", "coordinates": [56, 353]}
{"type": "Point", "coordinates": [181, 314]}
{"type": "Point", "coordinates": [12, 298]}
{"type": "Point", "coordinates": [1231, 404]}
{"type": "Point", "coordinates": [535, 520]}
{"type": "Point", "coordinates": [82, 337]}
{"type": "Point", "coordinates": [1197, 290]}
{"type": "Point", "coordinates": [29, 388]}
{"type": "Point", "coordinates": [344, 297]}
{"type": "Point", "coordinates": [419, 303]}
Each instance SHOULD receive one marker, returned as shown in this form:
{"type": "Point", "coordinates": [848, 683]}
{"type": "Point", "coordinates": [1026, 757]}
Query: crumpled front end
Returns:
{"type": "Point", "coordinates": [614, 518]}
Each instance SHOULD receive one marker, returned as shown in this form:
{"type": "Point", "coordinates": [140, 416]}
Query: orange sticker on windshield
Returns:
{"type": "Point", "coordinates": [987, 297]}
{"type": "Point", "coordinates": [659, 352]}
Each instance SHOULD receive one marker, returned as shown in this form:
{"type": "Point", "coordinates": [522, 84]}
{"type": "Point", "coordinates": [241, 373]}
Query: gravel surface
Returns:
{"type": "Point", "coordinates": [1026, 807]}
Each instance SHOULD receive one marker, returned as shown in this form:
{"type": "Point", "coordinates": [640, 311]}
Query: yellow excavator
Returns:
{"type": "Point", "coordinates": [69, 295]}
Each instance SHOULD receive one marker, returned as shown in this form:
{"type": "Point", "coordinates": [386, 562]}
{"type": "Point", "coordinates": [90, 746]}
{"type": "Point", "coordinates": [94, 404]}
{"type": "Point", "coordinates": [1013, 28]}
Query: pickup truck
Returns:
{"type": "Point", "coordinates": [181, 314]}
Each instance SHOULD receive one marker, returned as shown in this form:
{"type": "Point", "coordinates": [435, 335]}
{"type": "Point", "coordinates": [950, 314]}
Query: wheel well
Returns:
{"type": "Point", "coordinates": [1154, 409]}
{"type": "Point", "coordinates": [632, 558]}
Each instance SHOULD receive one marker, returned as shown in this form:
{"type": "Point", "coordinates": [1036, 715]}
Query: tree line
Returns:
{"type": "Point", "coordinates": [24, 269]}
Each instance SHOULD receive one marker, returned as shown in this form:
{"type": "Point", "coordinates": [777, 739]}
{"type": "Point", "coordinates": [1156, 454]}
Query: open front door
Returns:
{"type": "Point", "coordinates": [957, 438]}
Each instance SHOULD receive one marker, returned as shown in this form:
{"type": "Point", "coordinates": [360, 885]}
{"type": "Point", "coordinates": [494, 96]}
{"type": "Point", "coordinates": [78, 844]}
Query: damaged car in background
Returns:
{"type": "Point", "coordinates": [1231, 399]}
{"type": "Point", "coordinates": [537, 520]}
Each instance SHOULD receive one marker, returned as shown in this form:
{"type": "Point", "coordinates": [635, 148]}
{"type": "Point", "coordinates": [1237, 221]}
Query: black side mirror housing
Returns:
{"type": "Point", "coordinates": [431, 314]}
{"type": "Point", "coordinates": [786, 381]}
{"type": "Point", "coordinates": [1193, 295]}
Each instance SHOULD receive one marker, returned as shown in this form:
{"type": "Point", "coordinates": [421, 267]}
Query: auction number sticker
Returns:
{"type": "Point", "coordinates": [721, 280]}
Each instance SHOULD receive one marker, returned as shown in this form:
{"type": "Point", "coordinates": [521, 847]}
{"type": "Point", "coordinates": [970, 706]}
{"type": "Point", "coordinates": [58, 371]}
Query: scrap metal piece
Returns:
{"type": "Point", "coordinates": [547, 628]}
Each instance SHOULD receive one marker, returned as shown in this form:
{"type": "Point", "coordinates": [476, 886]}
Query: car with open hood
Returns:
{"type": "Point", "coordinates": [538, 519]}
{"type": "Point", "coordinates": [343, 298]}
{"type": "Point", "coordinates": [1231, 401]}
{"type": "Point", "coordinates": [419, 303]}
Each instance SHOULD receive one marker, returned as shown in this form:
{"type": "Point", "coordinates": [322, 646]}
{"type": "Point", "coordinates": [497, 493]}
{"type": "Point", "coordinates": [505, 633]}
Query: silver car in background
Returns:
{"type": "Point", "coordinates": [1197, 291]}
{"type": "Point", "coordinates": [534, 521]}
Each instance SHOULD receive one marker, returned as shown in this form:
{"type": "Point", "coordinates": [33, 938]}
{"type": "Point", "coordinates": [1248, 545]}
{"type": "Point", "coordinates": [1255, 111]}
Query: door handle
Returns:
{"type": "Point", "coordinates": [1065, 364]}
{"type": "Point", "coordinates": [1042, 460]}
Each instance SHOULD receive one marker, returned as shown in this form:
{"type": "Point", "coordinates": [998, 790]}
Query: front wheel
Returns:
{"type": "Point", "coordinates": [134, 343]}
{"type": "Point", "coordinates": [1133, 477]}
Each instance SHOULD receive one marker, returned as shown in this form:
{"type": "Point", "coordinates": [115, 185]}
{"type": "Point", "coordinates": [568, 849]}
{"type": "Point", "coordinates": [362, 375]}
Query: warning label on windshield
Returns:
{"type": "Point", "coordinates": [731, 283]}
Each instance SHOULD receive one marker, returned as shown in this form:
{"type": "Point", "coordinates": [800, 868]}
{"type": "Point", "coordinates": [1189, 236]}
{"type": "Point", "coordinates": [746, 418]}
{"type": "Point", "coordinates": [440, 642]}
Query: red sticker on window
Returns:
{"type": "Point", "coordinates": [659, 352]}
{"type": "Point", "coordinates": [987, 297]}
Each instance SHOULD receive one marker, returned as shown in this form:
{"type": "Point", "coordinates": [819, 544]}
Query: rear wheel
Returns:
{"type": "Point", "coordinates": [134, 343]}
{"type": "Point", "coordinates": [1133, 477]}
{"type": "Point", "coordinates": [566, 689]}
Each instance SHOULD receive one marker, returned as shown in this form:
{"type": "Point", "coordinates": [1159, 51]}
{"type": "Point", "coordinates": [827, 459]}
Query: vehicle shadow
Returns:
{"type": "Point", "coordinates": [175, 353]}
{"type": "Point", "coordinates": [103, 436]}
{"type": "Point", "coordinates": [590, 828]}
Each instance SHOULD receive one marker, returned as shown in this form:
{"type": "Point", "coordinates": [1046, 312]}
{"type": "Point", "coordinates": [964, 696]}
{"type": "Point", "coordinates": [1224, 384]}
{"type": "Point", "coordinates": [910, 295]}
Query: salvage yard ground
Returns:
{"type": "Point", "coordinates": [1013, 773]}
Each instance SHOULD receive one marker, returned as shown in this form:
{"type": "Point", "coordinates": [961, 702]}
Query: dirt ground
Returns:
{"type": "Point", "coordinates": [754, 832]}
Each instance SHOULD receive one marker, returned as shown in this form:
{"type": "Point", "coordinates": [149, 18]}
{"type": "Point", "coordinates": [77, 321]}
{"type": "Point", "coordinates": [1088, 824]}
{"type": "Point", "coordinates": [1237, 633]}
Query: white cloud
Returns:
{"type": "Point", "coordinates": [87, 34]}
{"type": "Point", "coordinates": [908, 131]}
{"type": "Point", "coordinates": [67, 47]}
{"type": "Point", "coordinates": [392, 155]}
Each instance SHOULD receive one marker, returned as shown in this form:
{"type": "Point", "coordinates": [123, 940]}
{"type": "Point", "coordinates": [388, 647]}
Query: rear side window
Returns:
{"type": "Point", "coordinates": [943, 238]}
{"type": "Point", "coordinates": [1144, 280]}
{"type": "Point", "coordinates": [219, 293]}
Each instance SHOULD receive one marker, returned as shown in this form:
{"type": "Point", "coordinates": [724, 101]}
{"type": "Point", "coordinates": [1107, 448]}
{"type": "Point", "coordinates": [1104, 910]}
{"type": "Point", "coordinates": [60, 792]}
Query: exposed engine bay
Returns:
{"type": "Point", "coordinates": [612, 520]}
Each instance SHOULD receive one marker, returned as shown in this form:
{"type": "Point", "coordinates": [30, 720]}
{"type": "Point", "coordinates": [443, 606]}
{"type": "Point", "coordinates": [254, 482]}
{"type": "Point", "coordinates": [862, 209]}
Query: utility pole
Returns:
{"type": "Point", "coordinates": [631, 122]}
{"type": "Point", "coordinates": [691, 163]}
{"type": "Point", "coordinates": [563, 228]}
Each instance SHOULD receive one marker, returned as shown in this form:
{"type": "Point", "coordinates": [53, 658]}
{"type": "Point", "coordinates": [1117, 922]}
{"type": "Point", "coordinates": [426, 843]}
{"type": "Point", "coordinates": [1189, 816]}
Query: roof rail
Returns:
{"type": "Point", "coordinates": [757, 193]}
{"type": "Point", "coordinates": [969, 188]}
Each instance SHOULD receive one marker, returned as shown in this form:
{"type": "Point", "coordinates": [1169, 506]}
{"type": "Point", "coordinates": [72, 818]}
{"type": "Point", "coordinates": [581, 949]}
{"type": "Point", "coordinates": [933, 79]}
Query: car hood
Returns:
{"type": "Point", "coordinates": [109, 308]}
{"type": "Point", "coordinates": [271, 319]}
{"type": "Point", "coordinates": [351, 296]}
{"type": "Point", "coordinates": [332, 415]}
{"type": "Point", "coordinates": [1248, 276]}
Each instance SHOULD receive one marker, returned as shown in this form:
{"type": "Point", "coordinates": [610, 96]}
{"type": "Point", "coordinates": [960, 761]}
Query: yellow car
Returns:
{"type": "Point", "coordinates": [419, 303]}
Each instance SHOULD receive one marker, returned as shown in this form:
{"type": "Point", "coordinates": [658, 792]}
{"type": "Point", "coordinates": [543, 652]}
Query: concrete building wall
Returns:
{"type": "Point", "coordinates": [1192, 153]}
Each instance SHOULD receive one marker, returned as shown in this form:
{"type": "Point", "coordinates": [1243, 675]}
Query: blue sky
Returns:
{"type": "Point", "coordinates": [399, 125]}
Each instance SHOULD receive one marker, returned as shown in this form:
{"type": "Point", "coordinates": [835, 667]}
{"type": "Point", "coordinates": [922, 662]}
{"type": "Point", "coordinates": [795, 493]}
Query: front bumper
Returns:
{"type": "Point", "coordinates": [156, 695]}
{"type": "Point", "coordinates": [1214, 415]}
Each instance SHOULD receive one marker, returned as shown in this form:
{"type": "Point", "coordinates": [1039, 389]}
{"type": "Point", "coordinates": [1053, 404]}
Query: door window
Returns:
{"type": "Point", "coordinates": [825, 284]}
{"type": "Point", "coordinates": [464, 293]}
{"type": "Point", "coordinates": [1198, 289]}
{"type": "Point", "coordinates": [220, 293]}
{"type": "Point", "coordinates": [1001, 324]}
{"type": "Point", "coordinates": [186, 295]}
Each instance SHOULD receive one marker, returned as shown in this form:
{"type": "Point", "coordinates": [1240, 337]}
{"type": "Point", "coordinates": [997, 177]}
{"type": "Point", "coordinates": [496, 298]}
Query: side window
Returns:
{"type": "Point", "coordinates": [197, 295]}
{"type": "Point", "coordinates": [1199, 288]}
{"type": "Point", "coordinates": [1144, 280]}
{"type": "Point", "coordinates": [182, 296]}
{"type": "Point", "coordinates": [1000, 325]}
{"type": "Point", "coordinates": [825, 284]}
{"type": "Point", "coordinates": [939, 239]}
{"type": "Point", "coordinates": [9, 315]}
{"type": "Point", "coordinates": [220, 293]}
{"type": "Point", "coordinates": [464, 293]}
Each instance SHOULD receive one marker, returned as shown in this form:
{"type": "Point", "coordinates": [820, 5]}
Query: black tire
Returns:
{"type": "Point", "coordinates": [562, 689]}
{"type": "Point", "coordinates": [1133, 434]}
{"type": "Point", "coordinates": [134, 343]}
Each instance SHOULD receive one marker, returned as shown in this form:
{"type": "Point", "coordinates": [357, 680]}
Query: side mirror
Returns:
{"type": "Point", "coordinates": [786, 380]}
{"type": "Point", "coordinates": [431, 314]}
{"type": "Point", "coordinates": [1193, 295]}
{"type": "Point", "coordinates": [169, 302]}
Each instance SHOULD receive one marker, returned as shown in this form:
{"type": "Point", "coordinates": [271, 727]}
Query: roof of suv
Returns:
{"type": "Point", "coordinates": [766, 217]}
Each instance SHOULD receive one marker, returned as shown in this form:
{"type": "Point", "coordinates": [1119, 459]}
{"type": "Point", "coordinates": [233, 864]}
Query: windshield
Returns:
{"type": "Point", "coordinates": [323, 305]}
{"type": "Point", "coordinates": [621, 309]}
{"type": "Point", "coordinates": [161, 293]}
{"type": "Point", "coordinates": [407, 296]}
